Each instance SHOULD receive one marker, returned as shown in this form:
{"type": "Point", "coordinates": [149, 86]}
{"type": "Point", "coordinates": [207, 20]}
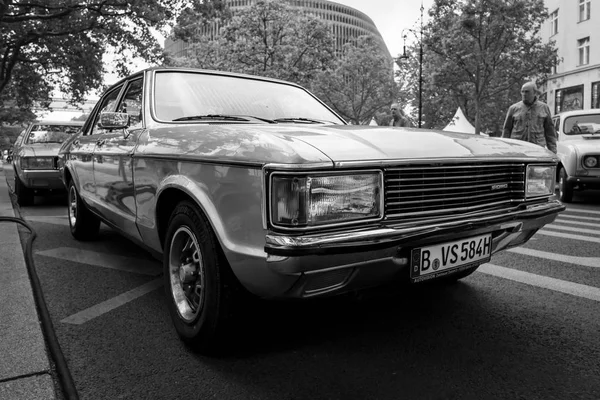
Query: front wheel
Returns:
{"type": "Point", "coordinates": [83, 223]}
{"type": "Point", "coordinates": [197, 283]}
{"type": "Point", "coordinates": [565, 189]}
{"type": "Point", "coordinates": [24, 194]}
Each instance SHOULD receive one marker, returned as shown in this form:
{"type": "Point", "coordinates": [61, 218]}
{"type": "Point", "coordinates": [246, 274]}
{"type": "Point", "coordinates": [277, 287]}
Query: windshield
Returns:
{"type": "Point", "coordinates": [178, 95]}
{"type": "Point", "coordinates": [51, 133]}
{"type": "Point", "coordinates": [582, 124]}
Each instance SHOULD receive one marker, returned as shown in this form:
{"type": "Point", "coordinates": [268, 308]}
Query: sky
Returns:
{"type": "Point", "coordinates": [390, 17]}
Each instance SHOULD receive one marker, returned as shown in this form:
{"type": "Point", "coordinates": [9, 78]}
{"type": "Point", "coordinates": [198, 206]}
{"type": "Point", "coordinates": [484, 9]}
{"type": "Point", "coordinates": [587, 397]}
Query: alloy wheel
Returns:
{"type": "Point", "coordinates": [186, 274]}
{"type": "Point", "coordinates": [72, 205]}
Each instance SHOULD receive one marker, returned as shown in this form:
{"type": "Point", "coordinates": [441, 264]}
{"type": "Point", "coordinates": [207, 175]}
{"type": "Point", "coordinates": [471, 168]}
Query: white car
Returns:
{"type": "Point", "coordinates": [578, 148]}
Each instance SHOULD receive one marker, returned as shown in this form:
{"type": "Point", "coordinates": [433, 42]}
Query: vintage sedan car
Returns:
{"type": "Point", "coordinates": [244, 184]}
{"type": "Point", "coordinates": [578, 148]}
{"type": "Point", "coordinates": [35, 156]}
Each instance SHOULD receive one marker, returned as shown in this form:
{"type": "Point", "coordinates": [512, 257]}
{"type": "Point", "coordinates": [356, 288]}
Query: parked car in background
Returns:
{"type": "Point", "coordinates": [578, 148]}
{"type": "Point", "coordinates": [35, 155]}
{"type": "Point", "coordinates": [250, 185]}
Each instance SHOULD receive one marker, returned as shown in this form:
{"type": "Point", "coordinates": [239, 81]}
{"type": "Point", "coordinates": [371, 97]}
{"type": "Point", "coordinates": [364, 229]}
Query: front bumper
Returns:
{"type": "Point", "coordinates": [42, 179]}
{"type": "Point", "coordinates": [338, 262]}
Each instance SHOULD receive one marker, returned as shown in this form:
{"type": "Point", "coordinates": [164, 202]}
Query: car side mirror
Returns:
{"type": "Point", "coordinates": [113, 120]}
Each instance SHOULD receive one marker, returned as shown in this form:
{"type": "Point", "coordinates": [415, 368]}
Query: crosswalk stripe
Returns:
{"type": "Point", "coordinates": [112, 261]}
{"type": "Point", "coordinates": [570, 209]}
{"type": "Point", "coordinates": [566, 221]}
{"type": "Point", "coordinates": [558, 285]}
{"type": "Point", "coordinates": [563, 235]}
{"type": "Point", "coordinates": [573, 229]}
{"type": "Point", "coordinates": [576, 217]}
{"type": "Point", "coordinates": [593, 262]}
{"type": "Point", "coordinates": [110, 304]}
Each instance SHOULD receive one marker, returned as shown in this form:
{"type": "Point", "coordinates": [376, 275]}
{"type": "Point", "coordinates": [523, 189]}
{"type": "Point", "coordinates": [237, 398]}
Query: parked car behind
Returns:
{"type": "Point", "coordinates": [244, 184]}
{"type": "Point", "coordinates": [578, 148]}
{"type": "Point", "coordinates": [35, 155]}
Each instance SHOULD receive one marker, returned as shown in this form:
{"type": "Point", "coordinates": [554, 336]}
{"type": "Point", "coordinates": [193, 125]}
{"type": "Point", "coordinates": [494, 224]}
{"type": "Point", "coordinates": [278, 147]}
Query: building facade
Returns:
{"type": "Point", "coordinates": [346, 24]}
{"type": "Point", "coordinates": [574, 27]}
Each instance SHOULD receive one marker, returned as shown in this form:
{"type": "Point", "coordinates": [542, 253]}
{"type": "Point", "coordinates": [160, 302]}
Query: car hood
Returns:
{"type": "Point", "coordinates": [299, 144]}
{"type": "Point", "coordinates": [40, 150]}
{"type": "Point", "coordinates": [583, 143]}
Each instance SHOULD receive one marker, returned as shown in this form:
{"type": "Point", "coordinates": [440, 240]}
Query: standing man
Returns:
{"type": "Point", "coordinates": [398, 117]}
{"type": "Point", "coordinates": [530, 120]}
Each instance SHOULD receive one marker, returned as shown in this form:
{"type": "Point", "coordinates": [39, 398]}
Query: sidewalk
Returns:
{"type": "Point", "coordinates": [24, 364]}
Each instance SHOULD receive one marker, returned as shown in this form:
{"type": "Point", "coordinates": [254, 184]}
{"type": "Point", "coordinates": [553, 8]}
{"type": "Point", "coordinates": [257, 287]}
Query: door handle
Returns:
{"type": "Point", "coordinates": [101, 142]}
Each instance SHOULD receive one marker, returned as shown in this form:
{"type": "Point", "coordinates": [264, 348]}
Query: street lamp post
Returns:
{"type": "Point", "coordinates": [404, 56]}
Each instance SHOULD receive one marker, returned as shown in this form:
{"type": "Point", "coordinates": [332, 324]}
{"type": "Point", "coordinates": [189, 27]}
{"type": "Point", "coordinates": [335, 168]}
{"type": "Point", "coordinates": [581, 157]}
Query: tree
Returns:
{"type": "Point", "coordinates": [480, 50]}
{"type": "Point", "coordinates": [270, 38]}
{"type": "Point", "coordinates": [360, 85]}
{"type": "Point", "coordinates": [59, 44]}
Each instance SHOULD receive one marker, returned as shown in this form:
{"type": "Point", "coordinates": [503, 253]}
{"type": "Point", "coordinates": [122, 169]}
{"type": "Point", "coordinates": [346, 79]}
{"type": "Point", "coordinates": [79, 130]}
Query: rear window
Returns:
{"type": "Point", "coordinates": [51, 133]}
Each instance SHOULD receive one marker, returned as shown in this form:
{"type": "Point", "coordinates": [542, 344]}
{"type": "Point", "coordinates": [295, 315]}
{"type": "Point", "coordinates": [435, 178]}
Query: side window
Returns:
{"type": "Point", "coordinates": [131, 103]}
{"type": "Point", "coordinates": [108, 103]}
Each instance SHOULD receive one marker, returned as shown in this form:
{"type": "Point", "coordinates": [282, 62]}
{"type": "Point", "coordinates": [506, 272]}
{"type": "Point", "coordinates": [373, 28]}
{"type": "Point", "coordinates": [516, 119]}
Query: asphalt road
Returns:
{"type": "Point", "coordinates": [526, 326]}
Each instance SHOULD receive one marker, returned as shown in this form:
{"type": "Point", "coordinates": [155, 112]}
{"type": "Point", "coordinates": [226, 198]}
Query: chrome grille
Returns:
{"type": "Point", "coordinates": [426, 191]}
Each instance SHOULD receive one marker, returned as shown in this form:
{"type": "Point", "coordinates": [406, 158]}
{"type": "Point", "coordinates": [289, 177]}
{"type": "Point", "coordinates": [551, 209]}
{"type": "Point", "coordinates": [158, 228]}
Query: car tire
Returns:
{"type": "Point", "coordinates": [565, 189]}
{"type": "Point", "coordinates": [24, 194]}
{"type": "Point", "coordinates": [199, 285]}
{"type": "Point", "coordinates": [83, 223]}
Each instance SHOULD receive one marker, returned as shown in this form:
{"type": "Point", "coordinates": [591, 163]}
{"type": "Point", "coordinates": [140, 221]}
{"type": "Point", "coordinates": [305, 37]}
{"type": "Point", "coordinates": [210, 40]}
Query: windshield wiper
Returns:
{"type": "Point", "coordinates": [301, 120]}
{"type": "Point", "coordinates": [241, 118]}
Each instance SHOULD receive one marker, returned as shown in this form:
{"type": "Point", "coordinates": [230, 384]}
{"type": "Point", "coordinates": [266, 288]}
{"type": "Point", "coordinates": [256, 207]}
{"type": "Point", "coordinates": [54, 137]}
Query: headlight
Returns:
{"type": "Point", "coordinates": [37, 162]}
{"type": "Point", "coordinates": [540, 180]}
{"type": "Point", "coordinates": [306, 201]}
{"type": "Point", "coordinates": [590, 162]}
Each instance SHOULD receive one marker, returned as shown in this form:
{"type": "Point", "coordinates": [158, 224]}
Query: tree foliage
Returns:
{"type": "Point", "coordinates": [478, 53]}
{"type": "Point", "coordinates": [270, 38]}
{"type": "Point", "coordinates": [361, 84]}
{"type": "Point", "coordinates": [60, 44]}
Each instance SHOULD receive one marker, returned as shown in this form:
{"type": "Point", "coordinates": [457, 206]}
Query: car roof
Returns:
{"type": "Point", "coordinates": [202, 71]}
{"type": "Point", "coordinates": [578, 112]}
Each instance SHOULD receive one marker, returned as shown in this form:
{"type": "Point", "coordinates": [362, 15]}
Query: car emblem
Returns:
{"type": "Point", "coordinates": [500, 186]}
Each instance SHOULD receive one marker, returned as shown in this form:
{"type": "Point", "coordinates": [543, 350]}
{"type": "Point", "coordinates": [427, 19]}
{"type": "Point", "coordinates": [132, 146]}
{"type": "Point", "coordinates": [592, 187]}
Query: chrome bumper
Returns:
{"type": "Point", "coordinates": [528, 218]}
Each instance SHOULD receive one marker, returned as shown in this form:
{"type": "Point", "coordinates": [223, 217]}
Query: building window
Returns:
{"type": "Point", "coordinates": [595, 94]}
{"type": "Point", "coordinates": [554, 23]}
{"type": "Point", "coordinates": [568, 99]}
{"type": "Point", "coordinates": [584, 51]}
{"type": "Point", "coordinates": [584, 10]}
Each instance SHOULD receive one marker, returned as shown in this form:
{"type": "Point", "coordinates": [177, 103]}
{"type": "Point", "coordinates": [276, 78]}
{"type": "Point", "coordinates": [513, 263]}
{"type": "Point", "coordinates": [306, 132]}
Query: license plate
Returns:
{"type": "Point", "coordinates": [438, 260]}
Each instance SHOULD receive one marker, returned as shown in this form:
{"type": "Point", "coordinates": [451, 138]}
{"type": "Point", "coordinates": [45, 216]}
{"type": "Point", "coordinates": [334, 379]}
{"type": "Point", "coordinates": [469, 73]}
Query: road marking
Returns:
{"type": "Point", "coordinates": [574, 289]}
{"type": "Point", "coordinates": [49, 220]}
{"type": "Point", "coordinates": [579, 217]}
{"type": "Point", "coordinates": [593, 262]}
{"type": "Point", "coordinates": [112, 261]}
{"type": "Point", "coordinates": [581, 210]}
{"type": "Point", "coordinates": [572, 229]}
{"type": "Point", "coordinates": [110, 304]}
{"type": "Point", "coordinates": [567, 221]}
{"type": "Point", "coordinates": [568, 236]}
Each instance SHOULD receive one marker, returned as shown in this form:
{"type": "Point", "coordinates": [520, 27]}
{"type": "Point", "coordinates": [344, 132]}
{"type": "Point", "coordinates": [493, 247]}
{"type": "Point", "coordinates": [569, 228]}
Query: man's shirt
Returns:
{"type": "Point", "coordinates": [531, 123]}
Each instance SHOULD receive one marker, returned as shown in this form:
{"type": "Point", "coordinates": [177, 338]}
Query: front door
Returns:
{"type": "Point", "coordinates": [113, 164]}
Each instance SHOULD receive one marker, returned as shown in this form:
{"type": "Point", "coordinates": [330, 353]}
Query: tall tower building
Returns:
{"type": "Point", "coordinates": [346, 24]}
{"type": "Point", "coordinates": [575, 81]}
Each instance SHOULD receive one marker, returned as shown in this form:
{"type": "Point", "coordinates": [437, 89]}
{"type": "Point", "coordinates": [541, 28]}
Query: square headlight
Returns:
{"type": "Point", "coordinates": [540, 180]}
{"type": "Point", "coordinates": [37, 163]}
{"type": "Point", "coordinates": [322, 199]}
